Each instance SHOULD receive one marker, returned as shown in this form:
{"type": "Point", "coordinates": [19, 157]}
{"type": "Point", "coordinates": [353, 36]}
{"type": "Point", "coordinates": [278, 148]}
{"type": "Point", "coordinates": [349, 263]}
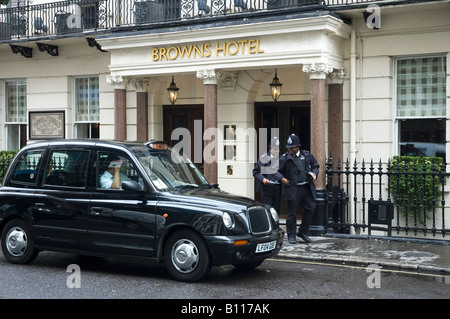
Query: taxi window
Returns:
{"type": "Point", "coordinates": [27, 168]}
{"type": "Point", "coordinates": [67, 168]}
{"type": "Point", "coordinates": [113, 169]}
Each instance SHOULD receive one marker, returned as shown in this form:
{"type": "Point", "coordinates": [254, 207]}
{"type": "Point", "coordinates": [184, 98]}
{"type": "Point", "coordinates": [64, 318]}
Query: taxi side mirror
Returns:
{"type": "Point", "coordinates": [133, 186]}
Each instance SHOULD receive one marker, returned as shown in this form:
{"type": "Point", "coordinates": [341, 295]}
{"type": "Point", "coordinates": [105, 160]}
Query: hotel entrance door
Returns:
{"type": "Point", "coordinates": [184, 116]}
{"type": "Point", "coordinates": [288, 117]}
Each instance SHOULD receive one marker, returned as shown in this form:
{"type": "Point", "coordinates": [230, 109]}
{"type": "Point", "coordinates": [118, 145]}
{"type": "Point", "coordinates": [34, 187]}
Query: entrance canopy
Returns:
{"type": "Point", "coordinates": [300, 41]}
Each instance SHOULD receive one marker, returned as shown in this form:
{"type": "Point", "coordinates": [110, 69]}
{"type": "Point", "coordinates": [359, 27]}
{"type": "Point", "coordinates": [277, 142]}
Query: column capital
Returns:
{"type": "Point", "coordinates": [117, 81]}
{"type": "Point", "coordinates": [337, 76]}
{"type": "Point", "coordinates": [317, 71]}
{"type": "Point", "coordinates": [140, 84]}
{"type": "Point", "coordinates": [209, 76]}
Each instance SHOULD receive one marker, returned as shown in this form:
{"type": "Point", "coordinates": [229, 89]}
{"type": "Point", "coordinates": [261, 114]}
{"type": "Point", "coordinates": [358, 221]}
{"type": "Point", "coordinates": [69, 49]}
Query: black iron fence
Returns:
{"type": "Point", "coordinates": [399, 198]}
{"type": "Point", "coordinates": [72, 17]}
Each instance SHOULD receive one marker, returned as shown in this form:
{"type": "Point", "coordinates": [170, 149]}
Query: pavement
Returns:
{"type": "Point", "coordinates": [424, 256]}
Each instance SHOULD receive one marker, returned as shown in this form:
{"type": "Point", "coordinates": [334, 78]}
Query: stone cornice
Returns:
{"type": "Point", "coordinates": [326, 24]}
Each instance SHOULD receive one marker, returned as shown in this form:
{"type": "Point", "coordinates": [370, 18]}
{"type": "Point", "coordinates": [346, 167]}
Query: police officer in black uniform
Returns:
{"type": "Point", "coordinates": [267, 175]}
{"type": "Point", "coordinates": [300, 169]}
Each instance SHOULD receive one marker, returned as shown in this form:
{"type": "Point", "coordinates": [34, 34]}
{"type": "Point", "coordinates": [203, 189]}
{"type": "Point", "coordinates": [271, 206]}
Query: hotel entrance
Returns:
{"type": "Point", "coordinates": [288, 118]}
{"type": "Point", "coordinates": [184, 116]}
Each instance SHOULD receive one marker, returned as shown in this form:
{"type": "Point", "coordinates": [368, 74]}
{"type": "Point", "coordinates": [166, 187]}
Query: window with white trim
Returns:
{"type": "Point", "coordinates": [15, 114]}
{"type": "Point", "coordinates": [86, 108]}
{"type": "Point", "coordinates": [421, 105]}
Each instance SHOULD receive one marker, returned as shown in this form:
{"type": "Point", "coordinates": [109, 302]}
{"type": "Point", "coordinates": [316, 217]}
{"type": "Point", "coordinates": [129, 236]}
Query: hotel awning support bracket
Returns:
{"type": "Point", "coordinates": [25, 51]}
{"type": "Point", "coordinates": [50, 49]}
{"type": "Point", "coordinates": [93, 43]}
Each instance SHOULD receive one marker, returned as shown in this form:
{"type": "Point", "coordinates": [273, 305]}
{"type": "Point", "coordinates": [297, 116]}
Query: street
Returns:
{"type": "Point", "coordinates": [66, 276]}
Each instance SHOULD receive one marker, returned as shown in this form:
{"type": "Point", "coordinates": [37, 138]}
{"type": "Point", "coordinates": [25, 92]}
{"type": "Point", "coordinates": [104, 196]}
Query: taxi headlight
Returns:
{"type": "Point", "coordinates": [274, 214]}
{"type": "Point", "coordinates": [228, 220]}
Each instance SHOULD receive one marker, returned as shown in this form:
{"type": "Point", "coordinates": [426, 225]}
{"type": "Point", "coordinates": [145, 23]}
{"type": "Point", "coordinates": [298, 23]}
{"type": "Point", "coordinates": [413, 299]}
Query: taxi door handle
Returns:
{"type": "Point", "coordinates": [39, 206]}
{"type": "Point", "coordinates": [99, 211]}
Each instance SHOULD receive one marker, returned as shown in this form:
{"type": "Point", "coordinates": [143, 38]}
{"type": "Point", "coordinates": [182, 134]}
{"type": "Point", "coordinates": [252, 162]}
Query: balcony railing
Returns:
{"type": "Point", "coordinates": [80, 16]}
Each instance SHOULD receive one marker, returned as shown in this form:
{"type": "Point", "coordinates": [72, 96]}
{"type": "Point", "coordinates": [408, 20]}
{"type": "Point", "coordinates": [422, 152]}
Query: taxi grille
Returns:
{"type": "Point", "coordinates": [259, 220]}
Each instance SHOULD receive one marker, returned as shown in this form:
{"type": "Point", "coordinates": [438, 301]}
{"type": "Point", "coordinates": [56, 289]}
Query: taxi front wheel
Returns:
{"type": "Point", "coordinates": [17, 242]}
{"type": "Point", "coordinates": [186, 256]}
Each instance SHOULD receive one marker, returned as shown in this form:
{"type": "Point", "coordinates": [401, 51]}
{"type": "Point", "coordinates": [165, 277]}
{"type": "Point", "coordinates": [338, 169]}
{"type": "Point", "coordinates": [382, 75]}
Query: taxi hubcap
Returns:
{"type": "Point", "coordinates": [185, 255]}
{"type": "Point", "coordinates": [16, 241]}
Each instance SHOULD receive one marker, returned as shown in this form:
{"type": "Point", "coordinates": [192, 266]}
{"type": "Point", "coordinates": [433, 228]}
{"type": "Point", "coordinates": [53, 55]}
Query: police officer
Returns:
{"type": "Point", "coordinates": [300, 169]}
{"type": "Point", "coordinates": [267, 175]}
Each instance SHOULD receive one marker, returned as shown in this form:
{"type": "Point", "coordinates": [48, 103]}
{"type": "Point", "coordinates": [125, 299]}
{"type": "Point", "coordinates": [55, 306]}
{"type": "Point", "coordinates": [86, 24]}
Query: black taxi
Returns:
{"type": "Point", "coordinates": [112, 198]}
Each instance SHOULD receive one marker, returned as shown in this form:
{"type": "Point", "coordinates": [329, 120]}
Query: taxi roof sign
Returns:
{"type": "Point", "coordinates": [157, 145]}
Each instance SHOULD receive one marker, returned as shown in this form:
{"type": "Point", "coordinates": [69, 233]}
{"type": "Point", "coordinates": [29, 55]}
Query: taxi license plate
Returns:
{"type": "Point", "coordinates": [260, 248]}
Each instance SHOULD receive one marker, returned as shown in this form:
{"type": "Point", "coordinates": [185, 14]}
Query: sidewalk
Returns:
{"type": "Point", "coordinates": [414, 256]}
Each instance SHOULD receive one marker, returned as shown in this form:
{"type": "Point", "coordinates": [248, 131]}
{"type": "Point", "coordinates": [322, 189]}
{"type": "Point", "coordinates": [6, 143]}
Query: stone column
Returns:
{"type": "Point", "coordinates": [141, 86]}
{"type": "Point", "coordinates": [335, 115]}
{"type": "Point", "coordinates": [120, 107]}
{"type": "Point", "coordinates": [335, 141]}
{"type": "Point", "coordinates": [317, 75]}
{"type": "Point", "coordinates": [210, 124]}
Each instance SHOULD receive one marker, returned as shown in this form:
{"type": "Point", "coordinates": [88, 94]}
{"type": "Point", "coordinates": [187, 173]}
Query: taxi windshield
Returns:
{"type": "Point", "coordinates": [168, 170]}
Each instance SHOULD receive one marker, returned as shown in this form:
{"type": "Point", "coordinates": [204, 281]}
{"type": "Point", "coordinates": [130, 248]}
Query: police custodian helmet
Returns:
{"type": "Point", "coordinates": [274, 143]}
{"type": "Point", "coordinates": [293, 141]}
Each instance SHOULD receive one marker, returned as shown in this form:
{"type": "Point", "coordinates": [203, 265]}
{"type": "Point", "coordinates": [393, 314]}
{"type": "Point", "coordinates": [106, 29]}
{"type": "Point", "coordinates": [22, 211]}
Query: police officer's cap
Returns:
{"type": "Point", "coordinates": [293, 141]}
{"type": "Point", "coordinates": [274, 143]}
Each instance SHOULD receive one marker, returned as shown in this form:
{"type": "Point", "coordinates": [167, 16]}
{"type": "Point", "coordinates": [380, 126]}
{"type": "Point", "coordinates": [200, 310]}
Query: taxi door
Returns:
{"type": "Point", "coordinates": [61, 202]}
{"type": "Point", "coordinates": [120, 222]}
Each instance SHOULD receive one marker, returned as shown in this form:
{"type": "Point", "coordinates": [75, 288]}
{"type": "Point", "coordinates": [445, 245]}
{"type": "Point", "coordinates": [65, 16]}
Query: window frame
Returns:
{"type": "Point", "coordinates": [396, 118]}
{"type": "Point", "coordinates": [77, 124]}
{"type": "Point", "coordinates": [14, 125]}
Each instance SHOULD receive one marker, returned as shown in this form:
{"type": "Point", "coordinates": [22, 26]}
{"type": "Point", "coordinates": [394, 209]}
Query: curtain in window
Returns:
{"type": "Point", "coordinates": [16, 100]}
{"type": "Point", "coordinates": [87, 99]}
{"type": "Point", "coordinates": [421, 87]}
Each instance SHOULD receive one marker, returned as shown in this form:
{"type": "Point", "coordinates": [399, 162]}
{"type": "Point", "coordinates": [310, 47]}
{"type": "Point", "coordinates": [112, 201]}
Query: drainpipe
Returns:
{"type": "Point", "coordinates": [353, 55]}
{"type": "Point", "coordinates": [353, 149]}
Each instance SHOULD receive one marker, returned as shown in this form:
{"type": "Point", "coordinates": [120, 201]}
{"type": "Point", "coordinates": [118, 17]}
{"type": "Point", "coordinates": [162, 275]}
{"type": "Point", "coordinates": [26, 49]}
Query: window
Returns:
{"type": "Point", "coordinates": [421, 105]}
{"type": "Point", "coordinates": [67, 168]}
{"type": "Point", "coordinates": [113, 169]}
{"type": "Point", "coordinates": [27, 168]}
{"type": "Point", "coordinates": [15, 114]}
{"type": "Point", "coordinates": [86, 109]}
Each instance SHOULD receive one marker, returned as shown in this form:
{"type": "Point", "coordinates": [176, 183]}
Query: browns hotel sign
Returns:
{"type": "Point", "coordinates": [207, 50]}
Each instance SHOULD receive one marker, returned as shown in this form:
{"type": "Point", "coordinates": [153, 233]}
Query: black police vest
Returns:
{"type": "Point", "coordinates": [302, 175]}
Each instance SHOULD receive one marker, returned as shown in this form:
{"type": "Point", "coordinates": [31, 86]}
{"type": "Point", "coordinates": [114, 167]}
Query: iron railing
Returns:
{"type": "Point", "coordinates": [398, 200]}
{"type": "Point", "coordinates": [72, 17]}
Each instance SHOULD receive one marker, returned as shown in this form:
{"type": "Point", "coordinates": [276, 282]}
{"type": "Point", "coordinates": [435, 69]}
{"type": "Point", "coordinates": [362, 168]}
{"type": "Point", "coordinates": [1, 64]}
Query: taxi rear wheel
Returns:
{"type": "Point", "coordinates": [17, 242]}
{"type": "Point", "coordinates": [186, 256]}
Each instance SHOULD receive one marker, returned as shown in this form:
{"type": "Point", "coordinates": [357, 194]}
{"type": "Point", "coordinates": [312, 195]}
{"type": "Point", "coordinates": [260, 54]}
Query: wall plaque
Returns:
{"type": "Point", "coordinates": [46, 125]}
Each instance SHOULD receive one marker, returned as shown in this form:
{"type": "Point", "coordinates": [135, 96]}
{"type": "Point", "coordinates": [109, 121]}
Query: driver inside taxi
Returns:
{"type": "Point", "coordinates": [114, 173]}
